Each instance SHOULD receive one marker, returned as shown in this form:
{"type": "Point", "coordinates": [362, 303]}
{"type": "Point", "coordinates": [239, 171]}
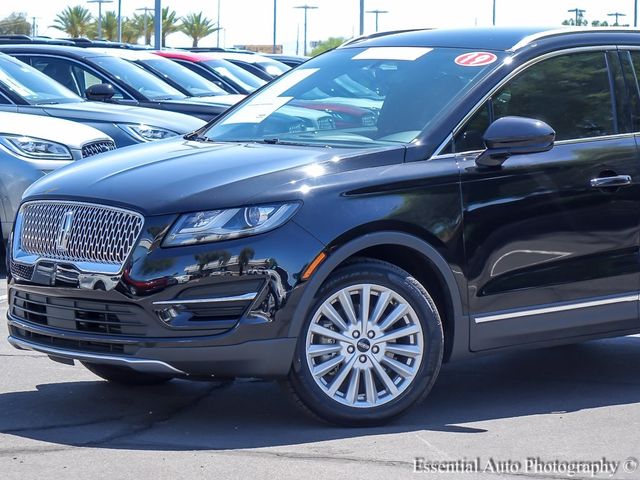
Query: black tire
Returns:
{"type": "Point", "coordinates": [306, 392]}
{"type": "Point", "coordinates": [124, 375]}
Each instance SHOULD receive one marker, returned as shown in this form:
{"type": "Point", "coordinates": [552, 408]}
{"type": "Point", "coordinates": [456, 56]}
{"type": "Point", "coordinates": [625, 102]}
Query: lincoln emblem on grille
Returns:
{"type": "Point", "coordinates": [64, 231]}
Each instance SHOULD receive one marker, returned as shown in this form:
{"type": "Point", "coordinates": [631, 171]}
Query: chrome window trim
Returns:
{"type": "Point", "coordinates": [600, 138]}
{"type": "Point", "coordinates": [22, 258]}
{"type": "Point", "coordinates": [513, 74]}
{"type": "Point", "coordinates": [558, 308]}
{"type": "Point", "coordinates": [188, 301]}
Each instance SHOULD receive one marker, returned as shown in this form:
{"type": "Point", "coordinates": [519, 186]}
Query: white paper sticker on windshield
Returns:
{"type": "Point", "coordinates": [290, 80]}
{"type": "Point", "coordinates": [256, 111]}
{"type": "Point", "coordinates": [392, 53]}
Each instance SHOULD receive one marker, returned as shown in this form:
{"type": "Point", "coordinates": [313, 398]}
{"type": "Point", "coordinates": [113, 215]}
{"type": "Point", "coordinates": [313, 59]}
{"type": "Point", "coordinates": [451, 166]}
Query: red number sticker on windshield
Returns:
{"type": "Point", "coordinates": [475, 59]}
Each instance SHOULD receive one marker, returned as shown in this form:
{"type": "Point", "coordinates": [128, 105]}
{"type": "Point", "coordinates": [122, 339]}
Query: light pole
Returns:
{"type": "Point", "coordinates": [218, 31]}
{"type": "Point", "coordinates": [146, 11]}
{"type": "Point", "coordinates": [100, 2]}
{"type": "Point", "coordinates": [34, 28]}
{"type": "Point", "coordinates": [635, 13]}
{"type": "Point", "coordinates": [376, 13]}
{"type": "Point", "coordinates": [494, 13]}
{"type": "Point", "coordinates": [617, 15]}
{"type": "Point", "coordinates": [157, 30]}
{"type": "Point", "coordinates": [275, 24]}
{"type": "Point", "coordinates": [119, 20]}
{"type": "Point", "coordinates": [579, 12]}
{"type": "Point", "coordinates": [306, 8]}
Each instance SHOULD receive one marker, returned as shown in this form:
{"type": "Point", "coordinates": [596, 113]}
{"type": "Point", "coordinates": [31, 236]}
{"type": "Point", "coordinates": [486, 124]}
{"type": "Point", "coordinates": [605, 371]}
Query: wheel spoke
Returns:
{"type": "Point", "coordinates": [331, 313]}
{"type": "Point", "coordinates": [386, 380]}
{"type": "Point", "coordinates": [354, 386]}
{"type": "Point", "coordinates": [342, 374]}
{"type": "Point", "coordinates": [400, 368]}
{"type": "Point", "coordinates": [322, 369]}
{"type": "Point", "coordinates": [323, 349]}
{"type": "Point", "coordinates": [325, 332]}
{"type": "Point", "coordinates": [381, 305]}
{"type": "Point", "coordinates": [365, 298]}
{"type": "Point", "coordinates": [394, 316]}
{"type": "Point", "coordinates": [347, 306]}
{"type": "Point", "coordinates": [399, 333]}
{"type": "Point", "coordinates": [370, 387]}
{"type": "Point", "coordinates": [403, 350]}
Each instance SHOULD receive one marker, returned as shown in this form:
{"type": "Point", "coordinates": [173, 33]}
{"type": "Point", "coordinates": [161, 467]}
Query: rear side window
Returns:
{"type": "Point", "coordinates": [571, 93]}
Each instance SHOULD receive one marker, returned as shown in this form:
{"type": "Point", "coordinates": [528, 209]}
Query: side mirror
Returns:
{"type": "Point", "coordinates": [515, 136]}
{"type": "Point", "coordinates": [100, 92]}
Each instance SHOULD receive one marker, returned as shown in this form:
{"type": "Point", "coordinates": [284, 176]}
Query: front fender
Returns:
{"type": "Point", "coordinates": [460, 345]}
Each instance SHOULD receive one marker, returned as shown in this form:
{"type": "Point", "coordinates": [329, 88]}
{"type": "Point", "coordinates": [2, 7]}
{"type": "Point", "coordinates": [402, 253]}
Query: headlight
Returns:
{"type": "Point", "coordinates": [147, 133]}
{"type": "Point", "coordinates": [35, 147]}
{"type": "Point", "coordinates": [216, 225]}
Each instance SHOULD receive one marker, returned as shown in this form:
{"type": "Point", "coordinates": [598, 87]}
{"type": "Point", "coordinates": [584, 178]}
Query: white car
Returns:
{"type": "Point", "coordinates": [31, 146]}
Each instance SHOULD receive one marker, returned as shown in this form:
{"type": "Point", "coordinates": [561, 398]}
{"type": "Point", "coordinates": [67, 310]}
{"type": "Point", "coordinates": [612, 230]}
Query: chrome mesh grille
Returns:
{"type": "Point", "coordinates": [95, 148]}
{"type": "Point", "coordinates": [98, 234]}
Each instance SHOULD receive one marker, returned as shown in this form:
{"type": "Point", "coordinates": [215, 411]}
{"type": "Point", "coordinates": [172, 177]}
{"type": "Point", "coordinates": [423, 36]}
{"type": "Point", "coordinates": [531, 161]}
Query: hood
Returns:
{"type": "Point", "coordinates": [176, 175]}
{"type": "Point", "coordinates": [108, 112]}
{"type": "Point", "coordinates": [73, 135]}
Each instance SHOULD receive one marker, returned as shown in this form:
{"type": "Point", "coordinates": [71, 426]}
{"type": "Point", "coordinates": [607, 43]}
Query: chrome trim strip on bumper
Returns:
{"type": "Point", "coordinates": [235, 298]}
{"type": "Point", "coordinates": [557, 308]}
{"type": "Point", "coordinates": [138, 364]}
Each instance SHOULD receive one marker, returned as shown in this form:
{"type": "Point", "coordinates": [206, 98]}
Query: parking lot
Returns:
{"type": "Point", "coordinates": [574, 403]}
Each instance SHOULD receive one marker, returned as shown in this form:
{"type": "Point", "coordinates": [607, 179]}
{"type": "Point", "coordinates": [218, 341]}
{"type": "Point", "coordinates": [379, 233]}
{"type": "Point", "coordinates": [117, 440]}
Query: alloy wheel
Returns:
{"type": "Point", "coordinates": [364, 345]}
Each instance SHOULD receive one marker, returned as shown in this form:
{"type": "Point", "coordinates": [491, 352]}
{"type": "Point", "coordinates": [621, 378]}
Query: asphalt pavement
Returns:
{"type": "Point", "coordinates": [508, 416]}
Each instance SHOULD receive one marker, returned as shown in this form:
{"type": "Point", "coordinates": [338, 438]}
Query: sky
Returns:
{"type": "Point", "coordinates": [251, 21]}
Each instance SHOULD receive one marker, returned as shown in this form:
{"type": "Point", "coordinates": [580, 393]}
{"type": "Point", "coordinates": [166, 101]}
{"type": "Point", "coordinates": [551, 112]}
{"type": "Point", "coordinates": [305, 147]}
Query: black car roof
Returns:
{"type": "Point", "coordinates": [485, 38]}
{"type": "Point", "coordinates": [68, 51]}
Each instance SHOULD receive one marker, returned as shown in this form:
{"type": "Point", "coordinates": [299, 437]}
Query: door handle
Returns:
{"type": "Point", "coordinates": [611, 182]}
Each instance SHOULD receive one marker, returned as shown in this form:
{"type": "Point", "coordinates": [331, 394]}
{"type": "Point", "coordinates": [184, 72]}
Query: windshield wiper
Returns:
{"type": "Point", "coordinates": [196, 137]}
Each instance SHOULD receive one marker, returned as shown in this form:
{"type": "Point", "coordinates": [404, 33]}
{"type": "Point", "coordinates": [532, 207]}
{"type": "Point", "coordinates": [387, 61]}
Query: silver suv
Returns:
{"type": "Point", "coordinates": [31, 146]}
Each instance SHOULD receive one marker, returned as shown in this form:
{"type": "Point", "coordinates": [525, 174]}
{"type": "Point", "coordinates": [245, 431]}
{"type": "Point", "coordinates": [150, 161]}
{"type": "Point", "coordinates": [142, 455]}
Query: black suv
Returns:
{"type": "Point", "coordinates": [495, 204]}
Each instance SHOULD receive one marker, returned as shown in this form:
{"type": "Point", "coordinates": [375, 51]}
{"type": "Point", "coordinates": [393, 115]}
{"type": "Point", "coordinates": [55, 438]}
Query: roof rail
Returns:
{"type": "Point", "coordinates": [362, 38]}
{"type": "Point", "coordinates": [87, 42]}
{"type": "Point", "coordinates": [27, 39]}
{"type": "Point", "coordinates": [567, 31]}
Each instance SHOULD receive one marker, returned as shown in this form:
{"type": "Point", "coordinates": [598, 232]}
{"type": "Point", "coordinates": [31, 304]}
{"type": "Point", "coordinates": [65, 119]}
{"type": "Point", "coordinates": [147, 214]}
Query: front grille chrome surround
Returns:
{"type": "Point", "coordinates": [98, 238]}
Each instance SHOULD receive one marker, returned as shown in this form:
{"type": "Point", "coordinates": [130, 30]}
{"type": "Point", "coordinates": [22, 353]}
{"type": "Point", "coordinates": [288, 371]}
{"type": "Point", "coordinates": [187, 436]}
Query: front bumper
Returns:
{"type": "Point", "coordinates": [226, 315]}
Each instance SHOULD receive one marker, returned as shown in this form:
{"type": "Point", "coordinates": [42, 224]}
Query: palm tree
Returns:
{"type": "Point", "coordinates": [75, 21]}
{"type": "Point", "coordinates": [138, 22]}
{"type": "Point", "coordinates": [109, 26]}
{"type": "Point", "coordinates": [197, 27]}
{"type": "Point", "coordinates": [170, 24]}
{"type": "Point", "coordinates": [130, 31]}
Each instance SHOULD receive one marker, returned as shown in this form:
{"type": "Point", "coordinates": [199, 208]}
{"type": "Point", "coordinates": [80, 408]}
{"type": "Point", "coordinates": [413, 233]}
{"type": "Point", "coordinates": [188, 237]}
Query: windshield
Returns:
{"type": "Point", "coordinates": [31, 85]}
{"type": "Point", "coordinates": [236, 75]}
{"type": "Point", "coordinates": [196, 85]}
{"type": "Point", "coordinates": [273, 67]}
{"type": "Point", "coordinates": [135, 76]}
{"type": "Point", "coordinates": [375, 96]}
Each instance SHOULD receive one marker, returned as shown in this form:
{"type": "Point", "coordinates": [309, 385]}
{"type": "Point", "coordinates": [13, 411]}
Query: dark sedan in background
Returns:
{"type": "Point", "coordinates": [85, 72]}
{"type": "Point", "coordinates": [24, 89]}
{"type": "Point", "coordinates": [227, 75]}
